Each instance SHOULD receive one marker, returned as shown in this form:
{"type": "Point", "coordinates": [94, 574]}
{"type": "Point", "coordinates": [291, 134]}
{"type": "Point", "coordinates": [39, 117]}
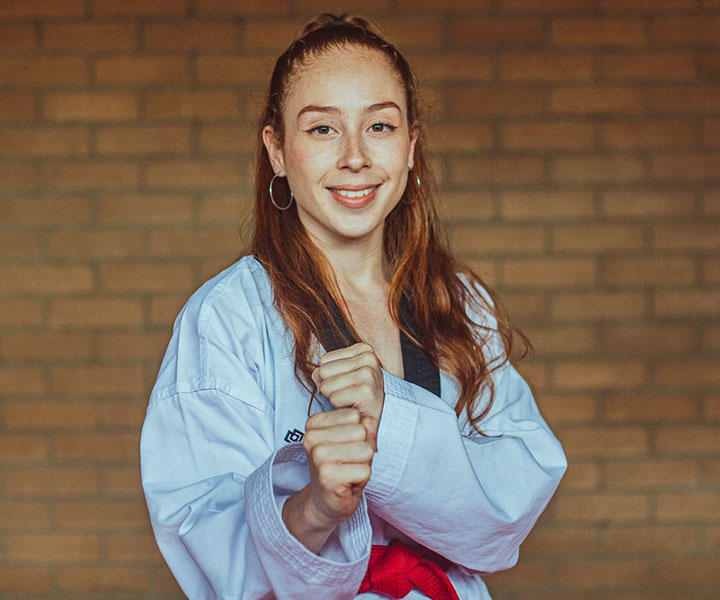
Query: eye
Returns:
{"type": "Point", "coordinates": [322, 130]}
{"type": "Point", "coordinates": [381, 127]}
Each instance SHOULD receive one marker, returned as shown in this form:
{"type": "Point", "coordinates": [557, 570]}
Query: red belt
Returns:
{"type": "Point", "coordinates": [397, 568]}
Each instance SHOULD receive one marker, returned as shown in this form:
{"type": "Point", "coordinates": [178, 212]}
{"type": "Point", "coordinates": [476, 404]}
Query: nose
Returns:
{"type": "Point", "coordinates": [354, 155]}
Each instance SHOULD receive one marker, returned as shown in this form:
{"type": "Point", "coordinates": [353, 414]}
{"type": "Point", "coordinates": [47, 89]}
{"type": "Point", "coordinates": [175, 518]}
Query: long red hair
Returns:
{"type": "Point", "coordinates": [423, 268]}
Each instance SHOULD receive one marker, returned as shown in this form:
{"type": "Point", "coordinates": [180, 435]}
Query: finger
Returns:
{"type": "Point", "coordinates": [347, 352]}
{"type": "Point", "coordinates": [333, 475]}
{"type": "Point", "coordinates": [362, 375]}
{"type": "Point", "coordinates": [339, 434]}
{"type": "Point", "coordinates": [332, 418]}
{"type": "Point", "coordinates": [371, 425]}
{"type": "Point", "coordinates": [345, 364]}
{"type": "Point", "coordinates": [351, 452]}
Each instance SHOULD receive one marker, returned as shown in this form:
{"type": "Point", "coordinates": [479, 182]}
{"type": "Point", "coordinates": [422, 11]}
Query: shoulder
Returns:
{"type": "Point", "coordinates": [219, 330]}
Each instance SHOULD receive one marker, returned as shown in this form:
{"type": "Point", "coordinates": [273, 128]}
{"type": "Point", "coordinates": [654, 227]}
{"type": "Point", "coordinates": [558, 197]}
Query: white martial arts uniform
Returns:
{"type": "Point", "coordinates": [220, 455]}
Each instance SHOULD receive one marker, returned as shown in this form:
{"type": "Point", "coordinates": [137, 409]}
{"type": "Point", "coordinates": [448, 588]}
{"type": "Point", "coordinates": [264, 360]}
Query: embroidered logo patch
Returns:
{"type": "Point", "coordinates": [294, 436]}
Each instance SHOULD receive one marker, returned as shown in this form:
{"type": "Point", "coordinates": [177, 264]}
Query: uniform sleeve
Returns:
{"type": "Point", "coordinates": [470, 498]}
{"type": "Point", "coordinates": [215, 486]}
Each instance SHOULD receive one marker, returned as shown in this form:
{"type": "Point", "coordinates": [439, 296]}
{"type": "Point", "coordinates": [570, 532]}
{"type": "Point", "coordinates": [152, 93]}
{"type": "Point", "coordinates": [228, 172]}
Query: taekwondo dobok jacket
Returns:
{"type": "Point", "coordinates": [221, 452]}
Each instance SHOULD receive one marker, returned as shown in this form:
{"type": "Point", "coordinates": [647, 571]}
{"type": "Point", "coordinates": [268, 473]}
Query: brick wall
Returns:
{"type": "Point", "coordinates": [577, 144]}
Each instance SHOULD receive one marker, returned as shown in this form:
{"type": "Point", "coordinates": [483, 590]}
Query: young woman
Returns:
{"type": "Point", "coordinates": [424, 462]}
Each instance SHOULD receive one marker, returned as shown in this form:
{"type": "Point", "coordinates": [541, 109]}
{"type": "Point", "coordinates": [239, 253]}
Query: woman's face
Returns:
{"type": "Point", "coordinates": [347, 146]}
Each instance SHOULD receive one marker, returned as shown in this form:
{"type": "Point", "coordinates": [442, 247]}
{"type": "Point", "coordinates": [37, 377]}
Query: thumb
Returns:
{"type": "Point", "coordinates": [371, 425]}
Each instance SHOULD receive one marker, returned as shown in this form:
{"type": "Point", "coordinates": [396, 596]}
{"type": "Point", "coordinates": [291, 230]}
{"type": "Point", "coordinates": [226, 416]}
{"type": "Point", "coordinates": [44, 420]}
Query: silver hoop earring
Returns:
{"type": "Point", "coordinates": [272, 198]}
{"type": "Point", "coordinates": [418, 184]}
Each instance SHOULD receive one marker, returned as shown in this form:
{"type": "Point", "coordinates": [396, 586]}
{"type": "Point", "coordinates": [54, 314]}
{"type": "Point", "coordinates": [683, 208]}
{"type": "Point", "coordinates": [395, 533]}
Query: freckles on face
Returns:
{"type": "Point", "coordinates": [347, 145]}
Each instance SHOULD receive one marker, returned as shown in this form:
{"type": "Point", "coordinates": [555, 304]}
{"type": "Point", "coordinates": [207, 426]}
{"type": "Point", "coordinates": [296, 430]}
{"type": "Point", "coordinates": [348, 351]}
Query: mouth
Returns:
{"type": "Point", "coordinates": [354, 196]}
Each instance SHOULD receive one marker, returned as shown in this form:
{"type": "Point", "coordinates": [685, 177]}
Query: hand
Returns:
{"type": "Point", "coordinates": [352, 377]}
{"type": "Point", "coordinates": [340, 458]}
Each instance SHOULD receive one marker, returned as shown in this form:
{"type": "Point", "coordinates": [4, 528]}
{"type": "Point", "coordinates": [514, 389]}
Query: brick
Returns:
{"type": "Point", "coordinates": [17, 448]}
{"type": "Point", "coordinates": [647, 203]}
{"type": "Point", "coordinates": [45, 279]}
{"type": "Point", "coordinates": [497, 239]}
{"type": "Point", "coordinates": [605, 441]}
{"type": "Point", "coordinates": [20, 9]}
{"type": "Point", "coordinates": [647, 134]}
{"type": "Point", "coordinates": [18, 38]}
{"type": "Point", "coordinates": [692, 98]}
{"type": "Point", "coordinates": [102, 514]}
{"type": "Point", "coordinates": [163, 310]}
{"type": "Point", "coordinates": [468, 101]}
{"type": "Point", "coordinates": [51, 548]}
{"type": "Point", "coordinates": [598, 574]}
{"type": "Point", "coordinates": [549, 6]}
{"type": "Point", "coordinates": [43, 71]}
{"type": "Point", "coordinates": [560, 541]}
{"type": "Point", "coordinates": [89, 37]}
{"type": "Point", "coordinates": [444, 66]}
{"type": "Point", "coordinates": [58, 210]}
{"type": "Point", "coordinates": [96, 312]}
{"type": "Point", "coordinates": [17, 579]}
{"type": "Point", "coordinates": [688, 506]}
{"type": "Point", "coordinates": [112, 447]}
{"type": "Point", "coordinates": [566, 408]}
{"type": "Point", "coordinates": [95, 244]}
{"type": "Point", "coordinates": [121, 481]}
{"type": "Point", "coordinates": [691, 30]}
{"type": "Point", "coordinates": [711, 132]}
{"type": "Point", "coordinates": [651, 337]}
{"type": "Point", "coordinates": [651, 539]}
{"type": "Point", "coordinates": [51, 481]}
{"type": "Point", "coordinates": [548, 272]}
{"type": "Point", "coordinates": [18, 313]}
{"type": "Point", "coordinates": [21, 245]}
{"type": "Point", "coordinates": [187, 104]}
{"type": "Point", "coordinates": [49, 414]}
{"type": "Point", "coordinates": [650, 474]}
{"type": "Point", "coordinates": [135, 548]}
{"type": "Point", "coordinates": [607, 507]}
{"type": "Point", "coordinates": [711, 341]}
{"type": "Point", "coordinates": [145, 277]}
{"type": "Point", "coordinates": [461, 137]}
{"type": "Point", "coordinates": [648, 66]}
{"type": "Point", "coordinates": [649, 6]}
{"type": "Point", "coordinates": [581, 476]}
{"type": "Point", "coordinates": [687, 303]}
{"type": "Point", "coordinates": [711, 269]}
{"type": "Point", "coordinates": [132, 345]}
{"type": "Point", "coordinates": [210, 242]}
{"type": "Point", "coordinates": [141, 70]}
{"type": "Point", "coordinates": [711, 471]}
{"type": "Point", "coordinates": [193, 173]}
{"type": "Point", "coordinates": [488, 31]}
{"type": "Point", "coordinates": [17, 106]}
{"type": "Point", "coordinates": [242, 7]}
{"type": "Point", "coordinates": [226, 138]}
{"type": "Point", "coordinates": [24, 515]}
{"type": "Point", "coordinates": [25, 381]}
{"type": "Point", "coordinates": [90, 106]}
{"type": "Point", "coordinates": [598, 31]}
{"type": "Point", "coordinates": [650, 270]}
{"type": "Point", "coordinates": [496, 170]}
{"type": "Point", "coordinates": [192, 35]}
{"type": "Point", "coordinates": [569, 339]}
{"type": "Point", "coordinates": [140, 7]}
{"type": "Point", "coordinates": [597, 169]}
{"type": "Point", "coordinates": [228, 70]}
{"type": "Point", "coordinates": [694, 571]}
{"type": "Point", "coordinates": [547, 135]}
{"type": "Point", "coordinates": [597, 99]}
{"type": "Point", "coordinates": [527, 575]}
{"type": "Point", "coordinates": [404, 32]}
{"type": "Point", "coordinates": [96, 380]}
{"type": "Point", "coordinates": [594, 305]}
{"type": "Point", "coordinates": [709, 65]}
{"type": "Point", "coordinates": [545, 66]}
{"type": "Point", "coordinates": [19, 176]}
{"type": "Point", "coordinates": [458, 206]}
{"type": "Point", "coordinates": [687, 167]}
{"type": "Point", "coordinates": [688, 439]}
{"type": "Point", "coordinates": [87, 175]}
{"type": "Point", "coordinates": [686, 236]}
{"type": "Point", "coordinates": [123, 413]}
{"type": "Point", "coordinates": [711, 202]}
{"type": "Point", "coordinates": [596, 238]}
{"type": "Point", "coordinates": [105, 579]}
{"type": "Point", "coordinates": [37, 141]}
{"type": "Point", "coordinates": [146, 209]}
{"type": "Point", "coordinates": [552, 205]}
{"type": "Point", "coordinates": [143, 139]}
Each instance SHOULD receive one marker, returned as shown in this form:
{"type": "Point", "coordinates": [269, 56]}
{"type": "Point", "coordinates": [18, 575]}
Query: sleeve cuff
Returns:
{"type": "Point", "coordinates": [395, 438]}
{"type": "Point", "coordinates": [277, 545]}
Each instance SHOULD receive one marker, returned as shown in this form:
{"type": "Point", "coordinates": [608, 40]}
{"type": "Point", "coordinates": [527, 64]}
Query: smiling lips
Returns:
{"type": "Point", "coordinates": [354, 196]}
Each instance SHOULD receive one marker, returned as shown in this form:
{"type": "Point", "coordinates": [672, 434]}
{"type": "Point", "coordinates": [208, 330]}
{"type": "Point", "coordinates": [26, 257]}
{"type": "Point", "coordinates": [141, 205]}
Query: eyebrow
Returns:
{"type": "Point", "coordinates": [336, 111]}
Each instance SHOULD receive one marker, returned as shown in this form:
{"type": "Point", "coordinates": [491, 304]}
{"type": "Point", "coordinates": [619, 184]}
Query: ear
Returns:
{"type": "Point", "coordinates": [274, 150]}
{"type": "Point", "coordinates": [414, 134]}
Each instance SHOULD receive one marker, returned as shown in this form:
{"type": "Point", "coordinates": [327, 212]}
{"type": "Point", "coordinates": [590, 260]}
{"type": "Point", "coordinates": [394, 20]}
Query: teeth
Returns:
{"type": "Point", "coordinates": [354, 194]}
